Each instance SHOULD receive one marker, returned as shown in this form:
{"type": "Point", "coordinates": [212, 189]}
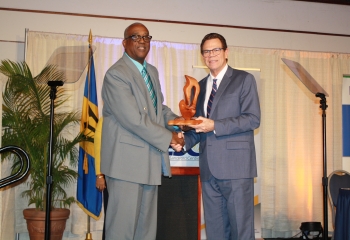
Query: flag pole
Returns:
{"type": "Point", "coordinates": [88, 234]}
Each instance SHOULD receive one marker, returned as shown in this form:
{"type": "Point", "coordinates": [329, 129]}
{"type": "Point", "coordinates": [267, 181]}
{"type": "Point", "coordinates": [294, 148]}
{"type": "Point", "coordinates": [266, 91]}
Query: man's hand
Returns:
{"type": "Point", "coordinates": [177, 141]}
{"type": "Point", "coordinates": [207, 125]}
{"type": "Point", "coordinates": [100, 182]}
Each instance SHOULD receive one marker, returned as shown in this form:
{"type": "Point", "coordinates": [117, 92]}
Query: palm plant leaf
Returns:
{"type": "Point", "coordinates": [26, 122]}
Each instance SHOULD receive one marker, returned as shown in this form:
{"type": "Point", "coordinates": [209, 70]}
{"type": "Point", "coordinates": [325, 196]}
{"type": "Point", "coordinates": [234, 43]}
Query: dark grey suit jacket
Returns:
{"type": "Point", "coordinates": [134, 138]}
{"type": "Point", "coordinates": [230, 152]}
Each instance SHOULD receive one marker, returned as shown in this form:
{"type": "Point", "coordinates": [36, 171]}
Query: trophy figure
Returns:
{"type": "Point", "coordinates": [188, 107]}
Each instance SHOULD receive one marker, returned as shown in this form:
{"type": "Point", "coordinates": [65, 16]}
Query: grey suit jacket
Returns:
{"type": "Point", "coordinates": [230, 152]}
{"type": "Point", "coordinates": [134, 139]}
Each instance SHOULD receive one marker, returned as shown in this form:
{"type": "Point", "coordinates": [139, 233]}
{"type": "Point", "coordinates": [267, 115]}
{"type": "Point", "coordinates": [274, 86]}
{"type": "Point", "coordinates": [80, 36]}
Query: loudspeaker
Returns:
{"type": "Point", "coordinates": [311, 230]}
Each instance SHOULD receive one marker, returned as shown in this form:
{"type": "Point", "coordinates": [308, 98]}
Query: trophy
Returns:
{"type": "Point", "coordinates": [188, 107]}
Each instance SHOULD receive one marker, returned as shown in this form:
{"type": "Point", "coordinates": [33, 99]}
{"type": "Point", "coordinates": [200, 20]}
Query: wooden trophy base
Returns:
{"type": "Point", "coordinates": [179, 122]}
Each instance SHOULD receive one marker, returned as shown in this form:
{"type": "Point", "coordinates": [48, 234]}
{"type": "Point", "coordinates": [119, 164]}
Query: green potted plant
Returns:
{"type": "Point", "coordinates": [26, 124]}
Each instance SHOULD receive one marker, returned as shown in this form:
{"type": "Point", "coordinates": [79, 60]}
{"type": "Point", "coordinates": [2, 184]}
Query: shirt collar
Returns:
{"type": "Point", "coordinates": [137, 64]}
{"type": "Point", "coordinates": [221, 74]}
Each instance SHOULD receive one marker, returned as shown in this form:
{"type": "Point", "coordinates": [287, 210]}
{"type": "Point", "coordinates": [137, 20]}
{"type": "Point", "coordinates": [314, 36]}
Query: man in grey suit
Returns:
{"type": "Point", "coordinates": [228, 105]}
{"type": "Point", "coordinates": [135, 140]}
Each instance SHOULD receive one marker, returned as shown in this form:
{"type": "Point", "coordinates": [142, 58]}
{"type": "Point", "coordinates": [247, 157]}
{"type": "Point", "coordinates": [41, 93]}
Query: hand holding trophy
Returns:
{"type": "Point", "coordinates": [188, 107]}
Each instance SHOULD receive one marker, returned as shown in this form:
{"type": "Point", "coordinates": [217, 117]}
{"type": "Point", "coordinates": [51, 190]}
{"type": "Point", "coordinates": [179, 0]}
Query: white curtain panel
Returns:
{"type": "Point", "coordinates": [291, 124]}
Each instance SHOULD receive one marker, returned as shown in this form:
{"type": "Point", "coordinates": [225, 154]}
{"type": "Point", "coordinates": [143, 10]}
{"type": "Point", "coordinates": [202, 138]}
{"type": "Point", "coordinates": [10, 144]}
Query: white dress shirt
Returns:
{"type": "Point", "coordinates": [210, 86]}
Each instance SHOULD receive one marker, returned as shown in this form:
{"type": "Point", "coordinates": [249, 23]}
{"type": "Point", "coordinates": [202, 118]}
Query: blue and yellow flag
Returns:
{"type": "Point", "coordinates": [88, 197]}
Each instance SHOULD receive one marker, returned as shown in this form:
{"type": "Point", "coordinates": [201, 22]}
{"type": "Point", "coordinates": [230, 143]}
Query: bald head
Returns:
{"type": "Point", "coordinates": [126, 31]}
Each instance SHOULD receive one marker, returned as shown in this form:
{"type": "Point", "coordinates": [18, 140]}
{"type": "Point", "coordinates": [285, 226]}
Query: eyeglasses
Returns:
{"type": "Point", "coordinates": [214, 52]}
{"type": "Point", "coordinates": [137, 38]}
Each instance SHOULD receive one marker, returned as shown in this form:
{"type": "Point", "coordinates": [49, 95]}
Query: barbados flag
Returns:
{"type": "Point", "coordinates": [88, 197]}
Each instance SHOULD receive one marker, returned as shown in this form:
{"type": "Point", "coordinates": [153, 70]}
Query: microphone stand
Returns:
{"type": "Point", "coordinates": [324, 106]}
{"type": "Point", "coordinates": [53, 85]}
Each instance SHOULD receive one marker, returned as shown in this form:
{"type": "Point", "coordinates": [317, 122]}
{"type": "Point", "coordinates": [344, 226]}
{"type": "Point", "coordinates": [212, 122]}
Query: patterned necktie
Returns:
{"type": "Point", "coordinates": [150, 88]}
{"type": "Point", "coordinates": [211, 97]}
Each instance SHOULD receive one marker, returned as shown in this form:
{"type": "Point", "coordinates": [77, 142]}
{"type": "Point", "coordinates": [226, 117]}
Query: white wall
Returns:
{"type": "Point", "coordinates": [288, 15]}
{"type": "Point", "coordinates": [277, 14]}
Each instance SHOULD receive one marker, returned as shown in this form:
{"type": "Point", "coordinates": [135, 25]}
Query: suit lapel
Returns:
{"type": "Point", "coordinates": [140, 82]}
{"type": "Point", "coordinates": [156, 86]}
{"type": "Point", "coordinates": [223, 85]}
{"type": "Point", "coordinates": [136, 75]}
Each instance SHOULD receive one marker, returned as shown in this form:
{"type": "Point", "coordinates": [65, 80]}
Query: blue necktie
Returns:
{"type": "Point", "coordinates": [211, 97]}
{"type": "Point", "coordinates": [150, 88]}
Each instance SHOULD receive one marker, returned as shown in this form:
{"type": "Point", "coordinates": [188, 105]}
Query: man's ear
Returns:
{"type": "Point", "coordinates": [226, 54]}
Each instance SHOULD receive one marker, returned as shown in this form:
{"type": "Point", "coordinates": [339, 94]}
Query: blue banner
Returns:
{"type": "Point", "coordinates": [88, 196]}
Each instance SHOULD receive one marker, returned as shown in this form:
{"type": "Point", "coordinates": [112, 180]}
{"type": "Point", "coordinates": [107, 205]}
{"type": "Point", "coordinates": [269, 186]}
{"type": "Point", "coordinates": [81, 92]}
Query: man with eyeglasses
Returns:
{"type": "Point", "coordinates": [228, 105]}
{"type": "Point", "coordinates": [135, 140]}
